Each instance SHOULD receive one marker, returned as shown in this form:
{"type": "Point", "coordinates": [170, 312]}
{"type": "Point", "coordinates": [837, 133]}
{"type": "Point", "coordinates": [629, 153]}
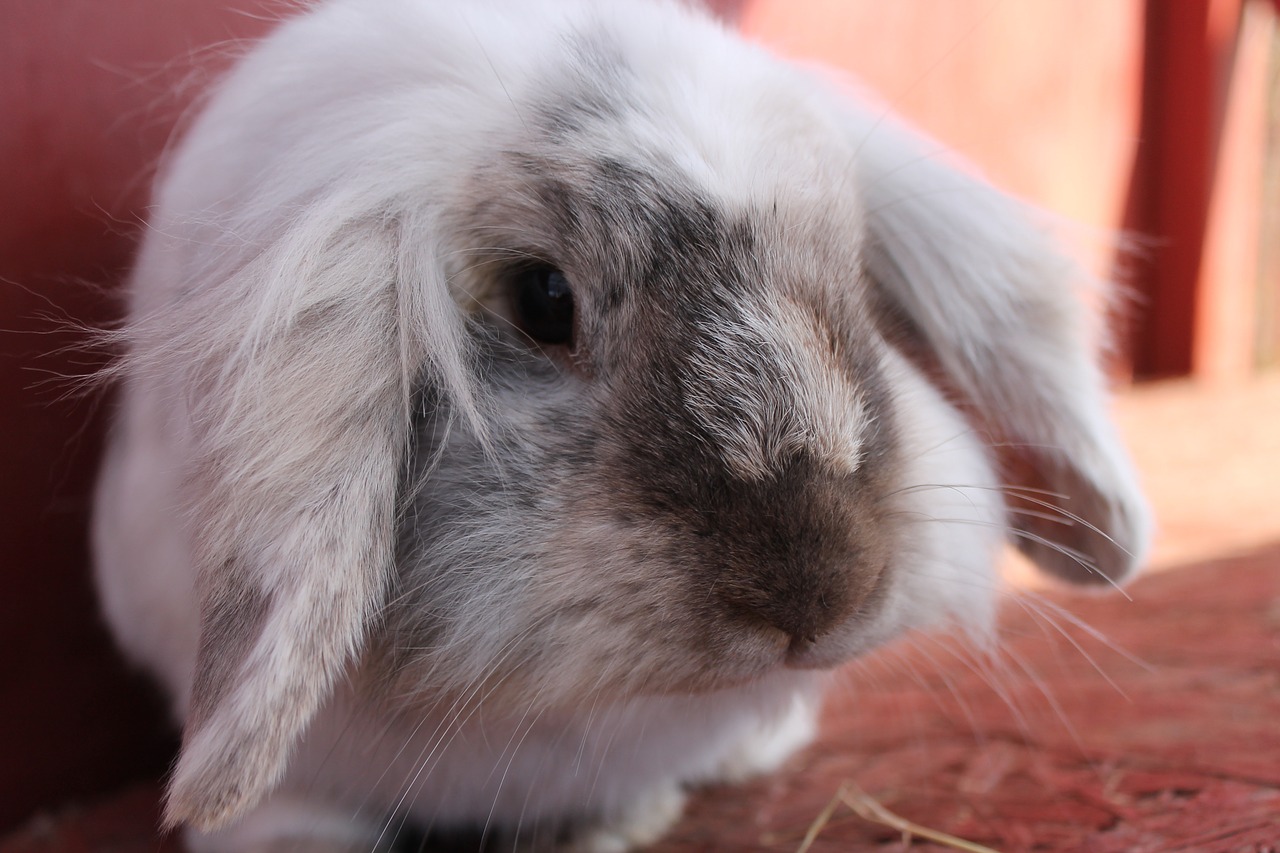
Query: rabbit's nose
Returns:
{"type": "Point", "coordinates": [801, 553]}
{"type": "Point", "coordinates": [803, 602]}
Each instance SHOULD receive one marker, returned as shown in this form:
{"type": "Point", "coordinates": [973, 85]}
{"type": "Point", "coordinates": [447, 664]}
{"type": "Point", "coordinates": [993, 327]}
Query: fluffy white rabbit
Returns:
{"type": "Point", "coordinates": [528, 402]}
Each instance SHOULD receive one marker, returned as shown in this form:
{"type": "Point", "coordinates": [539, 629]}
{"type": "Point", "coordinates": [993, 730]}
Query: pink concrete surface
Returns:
{"type": "Point", "coordinates": [1112, 724]}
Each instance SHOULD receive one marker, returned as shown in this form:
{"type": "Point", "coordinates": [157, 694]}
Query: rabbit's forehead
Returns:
{"type": "Point", "coordinates": [645, 144]}
{"type": "Point", "coordinates": [733, 321]}
{"type": "Point", "coordinates": [744, 344]}
{"type": "Point", "coordinates": [636, 229]}
{"type": "Point", "coordinates": [713, 245]}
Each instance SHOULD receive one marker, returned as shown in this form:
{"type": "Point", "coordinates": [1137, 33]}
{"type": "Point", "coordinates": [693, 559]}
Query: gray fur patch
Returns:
{"type": "Point", "coordinates": [232, 616]}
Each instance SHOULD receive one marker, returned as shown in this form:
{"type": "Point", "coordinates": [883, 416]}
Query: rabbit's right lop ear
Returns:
{"type": "Point", "coordinates": [995, 310]}
{"type": "Point", "coordinates": [299, 367]}
{"type": "Point", "coordinates": [300, 426]}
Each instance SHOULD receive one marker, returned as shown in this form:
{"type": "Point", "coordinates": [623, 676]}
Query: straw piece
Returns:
{"type": "Point", "coordinates": [866, 807]}
{"type": "Point", "coordinates": [820, 822]}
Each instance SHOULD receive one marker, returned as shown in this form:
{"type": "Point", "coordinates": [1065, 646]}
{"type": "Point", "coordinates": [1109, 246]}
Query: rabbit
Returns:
{"type": "Point", "coordinates": [525, 406]}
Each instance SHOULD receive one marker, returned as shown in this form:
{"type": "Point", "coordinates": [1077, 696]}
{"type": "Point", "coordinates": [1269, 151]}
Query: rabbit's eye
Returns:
{"type": "Point", "coordinates": [544, 305]}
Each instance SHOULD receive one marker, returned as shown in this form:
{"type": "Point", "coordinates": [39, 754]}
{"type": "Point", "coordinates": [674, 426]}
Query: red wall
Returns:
{"type": "Point", "coordinates": [87, 100]}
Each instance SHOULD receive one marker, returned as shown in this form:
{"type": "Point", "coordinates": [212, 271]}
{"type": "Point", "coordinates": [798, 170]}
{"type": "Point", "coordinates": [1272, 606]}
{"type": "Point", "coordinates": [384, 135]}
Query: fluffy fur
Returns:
{"type": "Point", "coordinates": [396, 562]}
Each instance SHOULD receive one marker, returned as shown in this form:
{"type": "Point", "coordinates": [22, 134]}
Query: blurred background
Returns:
{"type": "Point", "coordinates": [1157, 118]}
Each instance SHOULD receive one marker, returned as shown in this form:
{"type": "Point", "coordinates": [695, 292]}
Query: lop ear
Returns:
{"type": "Point", "coordinates": [994, 307]}
{"type": "Point", "coordinates": [295, 370]}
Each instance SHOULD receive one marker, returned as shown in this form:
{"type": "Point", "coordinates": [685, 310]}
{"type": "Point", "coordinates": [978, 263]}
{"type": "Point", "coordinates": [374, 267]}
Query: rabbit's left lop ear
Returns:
{"type": "Point", "coordinates": [298, 367]}
{"type": "Point", "coordinates": [992, 305]}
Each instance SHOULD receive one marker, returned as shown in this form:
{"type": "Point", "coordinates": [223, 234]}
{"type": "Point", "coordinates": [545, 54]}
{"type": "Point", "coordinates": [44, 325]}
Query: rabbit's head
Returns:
{"type": "Point", "coordinates": [542, 351]}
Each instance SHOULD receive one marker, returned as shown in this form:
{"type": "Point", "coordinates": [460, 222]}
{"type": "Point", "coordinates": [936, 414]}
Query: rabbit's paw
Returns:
{"type": "Point", "coordinates": [644, 823]}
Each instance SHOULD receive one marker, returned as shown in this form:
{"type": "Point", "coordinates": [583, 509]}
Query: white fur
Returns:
{"type": "Point", "coordinates": [805, 401]}
{"type": "Point", "coordinates": [306, 271]}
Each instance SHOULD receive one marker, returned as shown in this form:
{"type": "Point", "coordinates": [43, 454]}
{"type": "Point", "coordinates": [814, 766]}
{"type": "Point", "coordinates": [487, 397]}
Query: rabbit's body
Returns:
{"type": "Point", "coordinates": [528, 402]}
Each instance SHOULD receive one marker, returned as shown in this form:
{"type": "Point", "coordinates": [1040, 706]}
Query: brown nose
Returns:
{"type": "Point", "coordinates": [802, 554]}
{"type": "Point", "coordinates": [801, 599]}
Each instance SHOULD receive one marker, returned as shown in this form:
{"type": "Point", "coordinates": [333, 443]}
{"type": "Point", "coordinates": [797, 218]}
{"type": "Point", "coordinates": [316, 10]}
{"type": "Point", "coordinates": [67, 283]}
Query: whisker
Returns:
{"type": "Point", "coordinates": [448, 728]}
{"type": "Point", "coordinates": [1040, 609]}
{"type": "Point", "coordinates": [510, 762]}
{"type": "Point", "coordinates": [1077, 519]}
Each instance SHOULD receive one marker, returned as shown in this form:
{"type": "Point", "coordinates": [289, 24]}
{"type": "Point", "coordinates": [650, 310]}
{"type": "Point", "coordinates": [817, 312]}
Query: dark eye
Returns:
{"type": "Point", "coordinates": [544, 305]}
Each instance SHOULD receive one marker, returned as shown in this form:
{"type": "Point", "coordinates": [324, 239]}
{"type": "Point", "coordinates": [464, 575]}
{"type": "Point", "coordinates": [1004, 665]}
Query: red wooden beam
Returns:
{"type": "Point", "coordinates": [1196, 191]}
{"type": "Point", "coordinates": [1171, 187]}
